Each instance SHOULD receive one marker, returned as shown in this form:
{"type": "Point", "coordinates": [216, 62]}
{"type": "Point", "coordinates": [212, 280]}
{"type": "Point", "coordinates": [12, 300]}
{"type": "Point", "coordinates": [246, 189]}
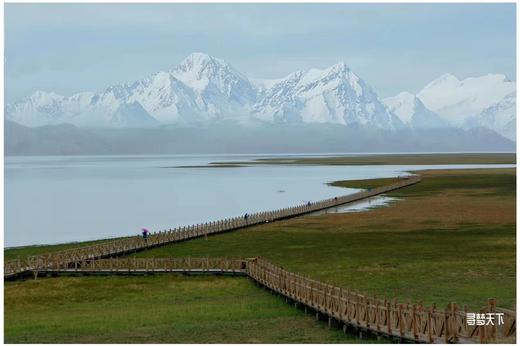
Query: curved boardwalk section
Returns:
{"type": "Point", "coordinates": [342, 307]}
{"type": "Point", "coordinates": [125, 245]}
{"type": "Point", "coordinates": [414, 323]}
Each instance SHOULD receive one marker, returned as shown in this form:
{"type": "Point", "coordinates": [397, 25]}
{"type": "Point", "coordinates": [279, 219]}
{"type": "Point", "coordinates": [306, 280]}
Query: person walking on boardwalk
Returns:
{"type": "Point", "coordinates": [245, 217]}
{"type": "Point", "coordinates": [145, 233]}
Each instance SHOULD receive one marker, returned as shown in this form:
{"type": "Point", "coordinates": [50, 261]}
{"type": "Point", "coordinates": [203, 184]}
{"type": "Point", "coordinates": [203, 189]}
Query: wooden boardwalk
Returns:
{"type": "Point", "coordinates": [342, 307]}
{"type": "Point", "coordinates": [14, 268]}
{"type": "Point", "coordinates": [133, 265]}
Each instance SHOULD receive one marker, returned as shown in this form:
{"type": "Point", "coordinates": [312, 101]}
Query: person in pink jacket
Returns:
{"type": "Point", "coordinates": [145, 233]}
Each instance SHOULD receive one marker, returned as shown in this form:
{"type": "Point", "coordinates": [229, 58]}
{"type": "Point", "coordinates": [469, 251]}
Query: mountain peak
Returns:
{"type": "Point", "coordinates": [340, 66]}
{"type": "Point", "coordinates": [445, 79]}
{"type": "Point", "coordinates": [448, 76]}
{"type": "Point", "coordinates": [200, 57]}
{"type": "Point", "coordinates": [405, 95]}
{"type": "Point", "coordinates": [198, 61]}
{"type": "Point", "coordinates": [456, 100]}
{"type": "Point", "coordinates": [413, 112]}
{"type": "Point", "coordinates": [43, 97]}
{"type": "Point", "coordinates": [336, 72]}
{"type": "Point", "coordinates": [499, 77]}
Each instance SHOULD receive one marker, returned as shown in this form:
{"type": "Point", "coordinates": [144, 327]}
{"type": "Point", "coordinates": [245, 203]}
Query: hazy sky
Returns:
{"type": "Point", "coordinates": [76, 47]}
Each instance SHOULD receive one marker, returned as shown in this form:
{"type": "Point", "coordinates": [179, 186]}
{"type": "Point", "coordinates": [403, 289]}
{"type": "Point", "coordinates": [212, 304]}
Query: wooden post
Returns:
{"type": "Point", "coordinates": [482, 330]}
{"type": "Point", "coordinates": [465, 324]}
{"type": "Point", "coordinates": [414, 323]}
{"type": "Point", "coordinates": [378, 315]}
{"type": "Point", "coordinates": [492, 308]}
{"type": "Point", "coordinates": [401, 324]}
{"type": "Point", "coordinates": [430, 336]}
{"type": "Point", "coordinates": [447, 326]}
{"type": "Point", "coordinates": [454, 322]}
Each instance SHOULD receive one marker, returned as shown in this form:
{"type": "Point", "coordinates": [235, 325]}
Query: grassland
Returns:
{"type": "Point", "coordinates": [450, 238]}
{"type": "Point", "coordinates": [383, 159]}
{"type": "Point", "coordinates": [154, 309]}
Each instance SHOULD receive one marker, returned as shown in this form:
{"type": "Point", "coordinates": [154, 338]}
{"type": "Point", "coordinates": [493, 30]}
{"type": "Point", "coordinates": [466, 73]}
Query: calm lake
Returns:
{"type": "Point", "coordinates": [59, 199]}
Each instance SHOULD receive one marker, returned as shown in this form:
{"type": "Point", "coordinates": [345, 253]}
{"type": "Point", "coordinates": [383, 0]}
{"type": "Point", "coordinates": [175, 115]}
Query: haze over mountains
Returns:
{"type": "Point", "coordinates": [206, 92]}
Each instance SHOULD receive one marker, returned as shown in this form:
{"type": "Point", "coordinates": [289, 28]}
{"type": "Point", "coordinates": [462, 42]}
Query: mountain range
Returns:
{"type": "Point", "coordinates": [203, 91]}
{"type": "Point", "coordinates": [231, 137]}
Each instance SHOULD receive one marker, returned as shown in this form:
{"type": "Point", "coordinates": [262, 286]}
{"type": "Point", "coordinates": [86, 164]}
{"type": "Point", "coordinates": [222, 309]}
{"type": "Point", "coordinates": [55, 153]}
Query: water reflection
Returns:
{"type": "Point", "coordinates": [371, 203]}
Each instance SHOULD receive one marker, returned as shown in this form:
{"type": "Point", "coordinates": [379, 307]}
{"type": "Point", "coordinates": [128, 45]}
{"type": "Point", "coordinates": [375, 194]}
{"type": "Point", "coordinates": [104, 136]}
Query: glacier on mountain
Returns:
{"type": "Point", "coordinates": [333, 95]}
{"type": "Point", "coordinates": [203, 90]}
{"type": "Point", "coordinates": [500, 117]}
{"type": "Point", "coordinates": [456, 100]}
{"type": "Point", "coordinates": [412, 111]}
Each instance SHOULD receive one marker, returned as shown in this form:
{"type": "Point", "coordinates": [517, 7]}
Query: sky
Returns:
{"type": "Point", "coordinates": [68, 48]}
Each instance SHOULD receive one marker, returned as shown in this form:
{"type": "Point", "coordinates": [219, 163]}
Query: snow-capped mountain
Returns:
{"type": "Point", "coordinates": [41, 108]}
{"type": "Point", "coordinates": [219, 89]}
{"type": "Point", "coordinates": [203, 88]}
{"type": "Point", "coordinates": [132, 115]}
{"type": "Point", "coordinates": [412, 111]}
{"type": "Point", "coordinates": [198, 89]}
{"type": "Point", "coordinates": [500, 117]}
{"type": "Point", "coordinates": [456, 100]}
{"type": "Point", "coordinates": [333, 95]}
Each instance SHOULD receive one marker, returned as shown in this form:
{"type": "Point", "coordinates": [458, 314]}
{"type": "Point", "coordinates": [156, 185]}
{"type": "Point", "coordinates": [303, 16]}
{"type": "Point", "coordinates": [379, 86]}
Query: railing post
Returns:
{"type": "Point", "coordinates": [430, 321]}
{"type": "Point", "coordinates": [454, 322]}
{"type": "Point", "coordinates": [447, 327]}
{"type": "Point", "coordinates": [414, 321]}
{"type": "Point", "coordinates": [482, 330]}
{"type": "Point", "coordinates": [387, 316]}
{"type": "Point", "coordinates": [401, 324]}
{"type": "Point", "coordinates": [492, 305]}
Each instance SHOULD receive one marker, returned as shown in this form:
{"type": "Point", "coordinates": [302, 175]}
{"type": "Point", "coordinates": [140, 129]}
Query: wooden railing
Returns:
{"type": "Point", "coordinates": [408, 322]}
{"type": "Point", "coordinates": [130, 244]}
{"type": "Point", "coordinates": [152, 265]}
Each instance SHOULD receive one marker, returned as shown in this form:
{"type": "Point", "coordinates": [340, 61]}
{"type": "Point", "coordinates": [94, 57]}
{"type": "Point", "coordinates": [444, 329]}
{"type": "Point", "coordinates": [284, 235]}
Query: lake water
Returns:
{"type": "Point", "coordinates": [60, 199]}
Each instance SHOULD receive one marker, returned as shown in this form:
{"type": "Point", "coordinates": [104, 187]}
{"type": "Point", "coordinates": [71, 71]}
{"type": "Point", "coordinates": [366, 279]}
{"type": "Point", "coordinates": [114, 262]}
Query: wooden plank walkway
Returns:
{"type": "Point", "coordinates": [407, 322]}
{"type": "Point", "coordinates": [133, 265]}
{"type": "Point", "coordinates": [14, 268]}
{"type": "Point", "coordinates": [342, 307]}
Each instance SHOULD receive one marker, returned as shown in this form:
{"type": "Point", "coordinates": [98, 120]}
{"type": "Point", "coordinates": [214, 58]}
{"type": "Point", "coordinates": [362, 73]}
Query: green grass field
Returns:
{"type": "Point", "coordinates": [450, 238]}
{"type": "Point", "coordinates": [155, 309]}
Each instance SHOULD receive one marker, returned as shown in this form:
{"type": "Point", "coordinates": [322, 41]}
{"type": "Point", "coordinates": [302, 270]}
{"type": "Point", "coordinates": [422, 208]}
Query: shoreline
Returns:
{"type": "Point", "coordinates": [360, 184]}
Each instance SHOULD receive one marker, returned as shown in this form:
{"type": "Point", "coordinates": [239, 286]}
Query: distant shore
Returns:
{"type": "Point", "coordinates": [376, 159]}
